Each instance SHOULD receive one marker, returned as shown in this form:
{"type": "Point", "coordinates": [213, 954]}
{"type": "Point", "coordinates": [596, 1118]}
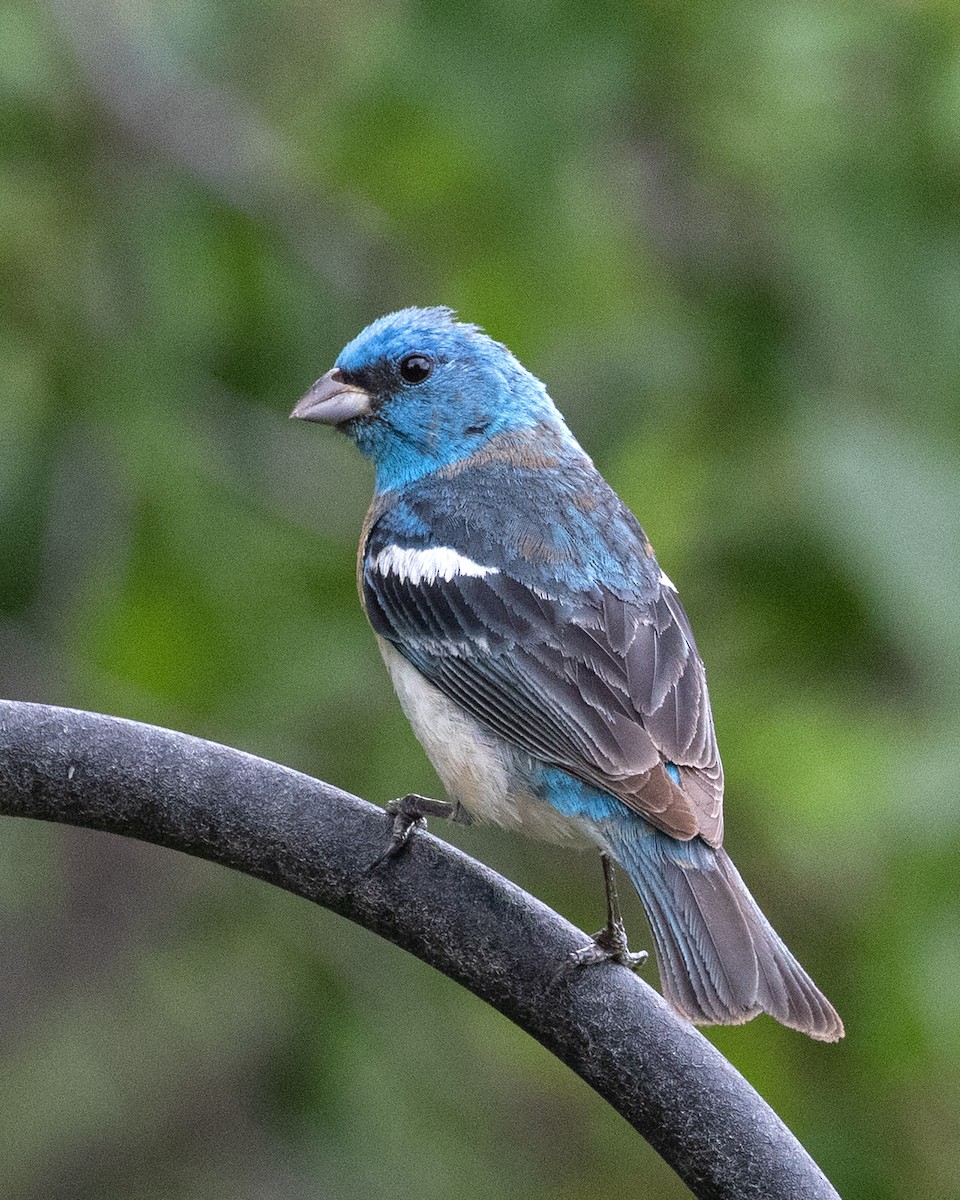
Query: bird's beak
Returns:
{"type": "Point", "coordinates": [331, 401]}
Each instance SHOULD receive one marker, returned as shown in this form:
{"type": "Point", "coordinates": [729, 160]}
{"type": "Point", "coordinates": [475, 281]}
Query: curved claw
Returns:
{"type": "Point", "coordinates": [609, 945]}
{"type": "Point", "coordinates": [407, 814]}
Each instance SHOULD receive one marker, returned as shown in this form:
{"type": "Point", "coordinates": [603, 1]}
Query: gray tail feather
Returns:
{"type": "Point", "coordinates": [720, 960]}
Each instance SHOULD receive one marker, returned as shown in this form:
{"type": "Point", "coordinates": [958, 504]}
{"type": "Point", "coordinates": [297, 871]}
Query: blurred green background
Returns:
{"type": "Point", "coordinates": [727, 236]}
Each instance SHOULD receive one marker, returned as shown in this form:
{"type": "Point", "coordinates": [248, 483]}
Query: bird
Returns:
{"type": "Point", "coordinates": [543, 657]}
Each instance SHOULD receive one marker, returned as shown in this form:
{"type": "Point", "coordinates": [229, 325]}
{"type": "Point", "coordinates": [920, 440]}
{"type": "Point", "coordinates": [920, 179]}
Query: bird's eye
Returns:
{"type": "Point", "coordinates": [415, 368]}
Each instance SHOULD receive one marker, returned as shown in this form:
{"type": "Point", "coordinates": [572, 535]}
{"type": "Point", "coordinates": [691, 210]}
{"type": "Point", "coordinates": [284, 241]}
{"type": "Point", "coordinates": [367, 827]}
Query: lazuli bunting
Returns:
{"type": "Point", "coordinates": [542, 656]}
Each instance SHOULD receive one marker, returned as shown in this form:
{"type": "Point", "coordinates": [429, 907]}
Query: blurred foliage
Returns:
{"type": "Point", "coordinates": [727, 236]}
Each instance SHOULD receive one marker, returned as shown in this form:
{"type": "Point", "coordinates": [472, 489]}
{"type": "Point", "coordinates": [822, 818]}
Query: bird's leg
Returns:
{"type": "Point", "coordinates": [407, 814]}
{"type": "Point", "coordinates": [610, 944]}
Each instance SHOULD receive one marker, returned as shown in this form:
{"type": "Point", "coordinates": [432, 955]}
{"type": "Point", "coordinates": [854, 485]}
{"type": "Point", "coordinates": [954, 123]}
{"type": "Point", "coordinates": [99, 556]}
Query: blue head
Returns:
{"type": "Point", "coordinates": [418, 390]}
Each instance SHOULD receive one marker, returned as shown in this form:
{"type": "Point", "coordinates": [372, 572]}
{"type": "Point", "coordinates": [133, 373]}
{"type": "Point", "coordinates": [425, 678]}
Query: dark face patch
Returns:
{"type": "Point", "coordinates": [378, 379]}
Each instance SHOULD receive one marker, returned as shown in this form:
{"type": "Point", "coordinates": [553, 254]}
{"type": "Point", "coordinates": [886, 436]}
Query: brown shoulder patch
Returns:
{"type": "Point", "coordinates": [378, 506]}
{"type": "Point", "coordinates": [534, 449]}
{"type": "Point", "coordinates": [535, 549]}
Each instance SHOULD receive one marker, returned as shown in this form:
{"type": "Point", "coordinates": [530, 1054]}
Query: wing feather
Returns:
{"type": "Point", "coordinates": [610, 689]}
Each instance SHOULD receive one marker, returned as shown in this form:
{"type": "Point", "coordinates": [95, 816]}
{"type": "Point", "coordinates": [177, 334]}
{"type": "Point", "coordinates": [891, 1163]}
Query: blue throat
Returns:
{"type": "Point", "coordinates": [400, 461]}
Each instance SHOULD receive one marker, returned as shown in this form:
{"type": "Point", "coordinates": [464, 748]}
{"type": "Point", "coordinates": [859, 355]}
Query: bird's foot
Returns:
{"type": "Point", "coordinates": [407, 814]}
{"type": "Point", "coordinates": [608, 945]}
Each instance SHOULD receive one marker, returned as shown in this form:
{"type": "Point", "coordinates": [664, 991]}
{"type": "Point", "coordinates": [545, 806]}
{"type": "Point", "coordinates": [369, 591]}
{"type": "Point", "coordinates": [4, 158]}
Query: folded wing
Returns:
{"type": "Point", "coordinates": [610, 689]}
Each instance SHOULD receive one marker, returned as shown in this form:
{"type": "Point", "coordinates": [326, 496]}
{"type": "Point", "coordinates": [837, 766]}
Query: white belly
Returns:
{"type": "Point", "coordinates": [474, 765]}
